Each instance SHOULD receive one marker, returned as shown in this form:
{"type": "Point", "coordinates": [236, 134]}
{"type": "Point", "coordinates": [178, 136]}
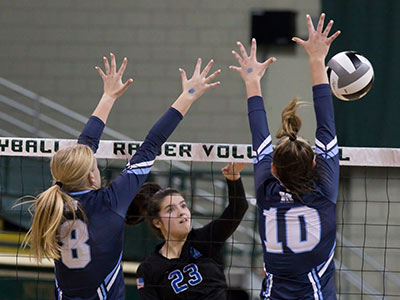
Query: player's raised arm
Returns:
{"type": "Point", "coordinates": [113, 89]}
{"type": "Point", "coordinates": [317, 47]}
{"type": "Point", "coordinates": [134, 175]}
{"type": "Point", "coordinates": [252, 72]}
{"type": "Point", "coordinates": [223, 227]}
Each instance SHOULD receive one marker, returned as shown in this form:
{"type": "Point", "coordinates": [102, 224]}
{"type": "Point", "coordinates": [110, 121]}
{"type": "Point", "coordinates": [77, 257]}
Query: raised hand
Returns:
{"type": "Point", "coordinates": [250, 69]}
{"type": "Point", "coordinates": [193, 88]}
{"type": "Point", "coordinates": [318, 43]}
{"type": "Point", "coordinates": [199, 83]}
{"type": "Point", "coordinates": [232, 170]}
{"type": "Point", "coordinates": [113, 85]}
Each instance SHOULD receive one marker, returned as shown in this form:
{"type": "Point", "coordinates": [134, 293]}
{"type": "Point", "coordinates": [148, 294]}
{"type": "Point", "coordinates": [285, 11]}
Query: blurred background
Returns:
{"type": "Point", "coordinates": [48, 88]}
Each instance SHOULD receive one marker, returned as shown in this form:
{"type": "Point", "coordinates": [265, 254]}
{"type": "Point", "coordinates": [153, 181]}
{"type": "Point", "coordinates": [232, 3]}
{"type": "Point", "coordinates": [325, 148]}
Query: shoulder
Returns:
{"type": "Point", "coordinates": [149, 265]}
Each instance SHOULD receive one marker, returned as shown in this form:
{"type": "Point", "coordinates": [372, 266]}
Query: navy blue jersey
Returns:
{"type": "Point", "coordinates": [198, 273]}
{"type": "Point", "coordinates": [298, 235]}
{"type": "Point", "coordinates": [89, 267]}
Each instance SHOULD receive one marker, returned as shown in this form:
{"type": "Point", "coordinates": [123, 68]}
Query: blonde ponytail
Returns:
{"type": "Point", "coordinates": [71, 167]}
{"type": "Point", "coordinates": [49, 209]}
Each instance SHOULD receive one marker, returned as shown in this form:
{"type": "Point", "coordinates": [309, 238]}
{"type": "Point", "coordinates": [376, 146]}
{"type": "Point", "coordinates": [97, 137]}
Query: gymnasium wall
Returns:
{"type": "Point", "coordinates": [371, 28]}
{"type": "Point", "coordinates": [51, 47]}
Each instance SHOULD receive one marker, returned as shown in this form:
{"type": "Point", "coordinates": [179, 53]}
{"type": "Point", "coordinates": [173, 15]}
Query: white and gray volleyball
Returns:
{"type": "Point", "coordinates": [350, 75]}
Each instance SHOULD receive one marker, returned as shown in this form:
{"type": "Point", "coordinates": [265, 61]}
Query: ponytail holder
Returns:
{"type": "Point", "coordinates": [59, 183]}
{"type": "Point", "coordinates": [292, 138]}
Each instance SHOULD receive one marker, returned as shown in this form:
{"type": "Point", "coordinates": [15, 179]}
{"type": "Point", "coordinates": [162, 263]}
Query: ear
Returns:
{"type": "Point", "coordinates": [91, 179]}
{"type": "Point", "coordinates": [157, 223]}
{"type": "Point", "coordinates": [314, 163]}
{"type": "Point", "coordinates": [273, 170]}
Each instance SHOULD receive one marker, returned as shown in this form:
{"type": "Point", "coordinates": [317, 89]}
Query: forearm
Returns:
{"type": "Point", "coordinates": [237, 199]}
{"type": "Point", "coordinates": [226, 224]}
{"type": "Point", "coordinates": [104, 107]}
{"type": "Point", "coordinates": [157, 136]}
{"type": "Point", "coordinates": [253, 88]}
{"type": "Point", "coordinates": [92, 132]}
{"type": "Point", "coordinates": [318, 70]}
{"type": "Point", "coordinates": [183, 103]}
{"type": "Point", "coordinates": [258, 123]}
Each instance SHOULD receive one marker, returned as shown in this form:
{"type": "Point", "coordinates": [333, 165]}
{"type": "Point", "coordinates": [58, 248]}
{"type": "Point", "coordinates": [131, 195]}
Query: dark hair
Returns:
{"type": "Point", "coordinates": [293, 156]}
{"type": "Point", "coordinates": [146, 205]}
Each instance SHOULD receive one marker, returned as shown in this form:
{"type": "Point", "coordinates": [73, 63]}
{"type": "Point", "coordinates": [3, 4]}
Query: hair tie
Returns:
{"type": "Point", "coordinates": [292, 138]}
{"type": "Point", "coordinates": [59, 183]}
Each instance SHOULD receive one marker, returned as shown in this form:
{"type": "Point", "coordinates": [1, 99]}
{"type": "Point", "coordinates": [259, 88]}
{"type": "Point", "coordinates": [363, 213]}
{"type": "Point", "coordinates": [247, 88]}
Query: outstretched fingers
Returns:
{"type": "Point", "coordinates": [126, 85]}
{"type": "Point", "coordinates": [310, 25]}
{"type": "Point", "coordinates": [234, 68]}
{"type": "Point", "coordinates": [237, 56]}
{"type": "Point", "coordinates": [253, 49]}
{"type": "Point", "coordinates": [123, 67]}
{"type": "Point", "coordinates": [113, 63]}
{"type": "Point", "coordinates": [207, 68]}
{"type": "Point", "coordinates": [100, 71]}
{"type": "Point", "coordinates": [298, 41]}
{"type": "Point", "coordinates": [321, 23]}
{"type": "Point", "coordinates": [242, 50]}
{"type": "Point", "coordinates": [198, 66]}
{"type": "Point", "coordinates": [328, 28]}
{"type": "Point", "coordinates": [212, 85]}
{"type": "Point", "coordinates": [268, 62]}
{"type": "Point", "coordinates": [183, 75]}
{"type": "Point", "coordinates": [333, 36]}
{"type": "Point", "coordinates": [106, 65]}
{"type": "Point", "coordinates": [212, 76]}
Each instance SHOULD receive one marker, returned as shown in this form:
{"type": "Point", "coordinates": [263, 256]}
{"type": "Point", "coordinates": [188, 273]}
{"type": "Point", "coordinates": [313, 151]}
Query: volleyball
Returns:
{"type": "Point", "coordinates": [350, 75]}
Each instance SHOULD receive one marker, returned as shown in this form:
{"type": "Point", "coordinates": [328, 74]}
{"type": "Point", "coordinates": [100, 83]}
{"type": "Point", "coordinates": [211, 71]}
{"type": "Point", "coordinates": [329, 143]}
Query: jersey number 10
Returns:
{"type": "Point", "coordinates": [302, 227]}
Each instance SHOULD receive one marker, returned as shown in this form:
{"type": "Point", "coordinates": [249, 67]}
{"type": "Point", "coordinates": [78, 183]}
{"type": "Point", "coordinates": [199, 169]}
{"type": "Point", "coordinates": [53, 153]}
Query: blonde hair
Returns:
{"type": "Point", "coordinates": [71, 167]}
{"type": "Point", "coordinates": [293, 155]}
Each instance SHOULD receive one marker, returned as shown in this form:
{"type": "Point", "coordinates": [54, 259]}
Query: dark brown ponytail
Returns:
{"type": "Point", "coordinates": [293, 156]}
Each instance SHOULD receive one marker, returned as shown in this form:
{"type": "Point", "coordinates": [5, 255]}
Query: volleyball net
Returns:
{"type": "Point", "coordinates": [368, 214]}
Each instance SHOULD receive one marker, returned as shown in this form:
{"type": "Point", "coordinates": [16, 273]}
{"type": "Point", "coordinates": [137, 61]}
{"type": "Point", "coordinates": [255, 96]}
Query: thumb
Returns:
{"type": "Point", "coordinates": [298, 41]}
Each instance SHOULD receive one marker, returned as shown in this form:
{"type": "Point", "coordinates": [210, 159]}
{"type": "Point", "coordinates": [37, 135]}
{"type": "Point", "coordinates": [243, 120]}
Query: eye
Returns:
{"type": "Point", "coordinates": [171, 209]}
{"type": "Point", "coordinates": [184, 205]}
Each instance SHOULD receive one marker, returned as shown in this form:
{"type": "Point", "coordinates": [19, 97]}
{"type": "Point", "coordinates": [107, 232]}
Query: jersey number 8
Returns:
{"type": "Point", "coordinates": [75, 252]}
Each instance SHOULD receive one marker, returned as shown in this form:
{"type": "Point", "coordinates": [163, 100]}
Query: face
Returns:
{"type": "Point", "coordinates": [175, 218]}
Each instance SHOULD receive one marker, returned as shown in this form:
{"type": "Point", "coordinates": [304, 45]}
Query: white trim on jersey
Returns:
{"type": "Point", "coordinates": [330, 145]}
{"type": "Point", "coordinates": [263, 145]}
{"type": "Point", "coordinates": [271, 280]}
{"type": "Point", "coordinates": [140, 165]}
{"type": "Point", "coordinates": [314, 286]}
{"type": "Point", "coordinates": [322, 271]}
{"type": "Point", "coordinates": [100, 294]}
{"type": "Point", "coordinates": [109, 285]}
{"type": "Point", "coordinates": [319, 144]}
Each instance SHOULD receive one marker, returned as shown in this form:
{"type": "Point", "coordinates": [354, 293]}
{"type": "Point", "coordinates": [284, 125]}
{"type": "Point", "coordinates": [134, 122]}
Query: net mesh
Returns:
{"type": "Point", "coordinates": [367, 252]}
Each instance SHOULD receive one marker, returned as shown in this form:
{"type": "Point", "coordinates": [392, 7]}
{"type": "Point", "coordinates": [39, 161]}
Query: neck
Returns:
{"type": "Point", "coordinates": [172, 248]}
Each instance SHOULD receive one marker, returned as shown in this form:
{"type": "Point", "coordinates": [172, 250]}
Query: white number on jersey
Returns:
{"type": "Point", "coordinates": [303, 229]}
{"type": "Point", "coordinates": [75, 253]}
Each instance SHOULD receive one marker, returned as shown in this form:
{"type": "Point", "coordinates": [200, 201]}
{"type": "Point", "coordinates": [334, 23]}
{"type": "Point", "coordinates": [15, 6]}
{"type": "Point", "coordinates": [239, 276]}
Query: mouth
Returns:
{"type": "Point", "coordinates": [183, 220]}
